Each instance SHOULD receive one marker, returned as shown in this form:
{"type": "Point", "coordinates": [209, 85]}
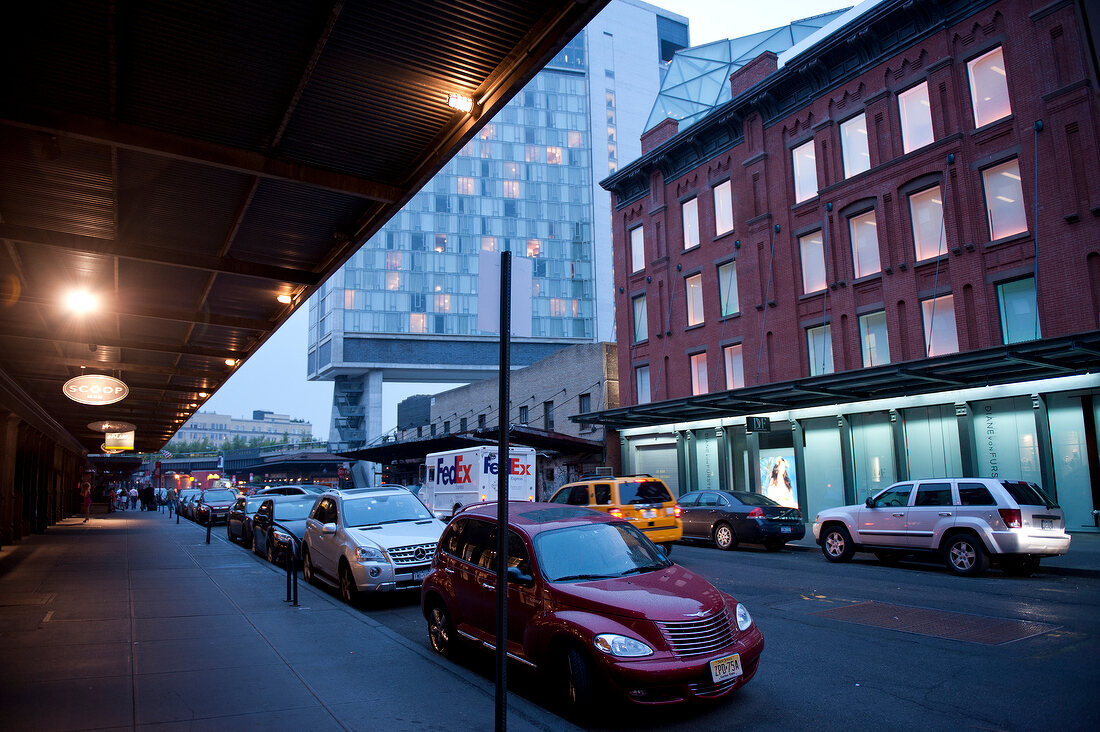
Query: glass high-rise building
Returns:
{"type": "Point", "coordinates": [405, 306]}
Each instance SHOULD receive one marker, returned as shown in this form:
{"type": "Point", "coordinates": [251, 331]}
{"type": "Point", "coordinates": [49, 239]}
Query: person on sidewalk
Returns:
{"type": "Point", "coordinates": [133, 497]}
{"type": "Point", "coordinates": [86, 497]}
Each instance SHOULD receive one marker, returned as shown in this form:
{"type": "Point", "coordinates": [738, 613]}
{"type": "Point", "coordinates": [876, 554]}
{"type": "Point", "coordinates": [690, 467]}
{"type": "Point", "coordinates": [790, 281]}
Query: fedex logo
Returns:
{"type": "Point", "coordinates": [454, 474]}
{"type": "Point", "coordinates": [515, 467]}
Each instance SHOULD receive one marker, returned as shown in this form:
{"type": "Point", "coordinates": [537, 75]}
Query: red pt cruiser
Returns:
{"type": "Point", "coordinates": [592, 603]}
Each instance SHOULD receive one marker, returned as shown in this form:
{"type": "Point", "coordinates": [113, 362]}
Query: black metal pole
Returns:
{"type": "Point", "coordinates": [209, 516]}
{"type": "Point", "coordinates": [293, 560]}
{"type": "Point", "coordinates": [503, 475]}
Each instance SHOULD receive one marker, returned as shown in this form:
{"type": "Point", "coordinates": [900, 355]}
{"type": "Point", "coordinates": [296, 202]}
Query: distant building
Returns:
{"type": "Point", "coordinates": [414, 411]}
{"type": "Point", "coordinates": [221, 428]}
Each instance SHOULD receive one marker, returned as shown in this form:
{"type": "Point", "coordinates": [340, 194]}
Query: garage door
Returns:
{"type": "Point", "coordinates": [660, 462]}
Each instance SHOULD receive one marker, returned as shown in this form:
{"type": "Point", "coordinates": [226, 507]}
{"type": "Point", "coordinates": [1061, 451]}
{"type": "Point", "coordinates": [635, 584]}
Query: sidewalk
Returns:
{"type": "Point", "coordinates": [133, 622]}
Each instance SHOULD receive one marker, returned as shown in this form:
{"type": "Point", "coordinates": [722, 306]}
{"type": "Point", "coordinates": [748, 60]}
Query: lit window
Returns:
{"type": "Point", "coordinates": [727, 287]}
{"type": "Point", "coordinates": [690, 212]}
{"type": "Point", "coordinates": [637, 249]}
{"type": "Point", "coordinates": [641, 377]}
{"type": "Point", "coordinates": [916, 118]}
{"type": "Point", "coordinates": [511, 188]}
{"type": "Point", "coordinates": [641, 330]}
{"type": "Point", "coordinates": [488, 243]}
{"type": "Point", "coordinates": [926, 210]}
{"type": "Point", "coordinates": [489, 132]}
{"type": "Point", "coordinates": [1004, 200]}
{"type": "Point", "coordinates": [486, 149]}
{"type": "Point", "coordinates": [989, 88]}
{"type": "Point", "coordinates": [418, 323]}
{"type": "Point", "coordinates": [553, 156]}
{"type": "Point", "coordinates": [533, 247]}
{"type": "Point", "coordinates": [723, 208]}
{"type": "Point", "coordinates": [819, 343]}
{"type": "Point", "coordinates": [466, 186]}
{"type": "Point", "coordinates": [699, 373]}
{"type": "Point", "coordinates": [694, 286]}
{"type": "Point", "coordinates": [393, 260]}
{"type": "Point", "coordinates": [873, 339]}
{"type": "Point", "coordinates": [441, 242]}
{"type": "Point", "coordinates": [559, 308]}
{"type": "Point", "coordinates": [735, 368]}
{"type": "Point", "coordinates": [939, 326]}
{"type": "Point", "coordinates": [853, 143]}
{"type": "Point", "coordinates": [534, 153]}
{"type": "Point", "coordinates": [805, 172]}
{"type": "Point", "coordinates": [393, 280]}
{"type": "Point", "coordinates": [813, 262]}
{"type": "Point", "coordinates": [1019, 311]}
{"type": "Point", "coordinates": [575, 139]}
{"type": "Point", "coordinates": [349, 299]}
{"type": "Point", "coordinates": [863, 231]}
{"type": "Point", "coordinates": [511, 169]}
{"type": "Point", "coordinates": [442, 303]}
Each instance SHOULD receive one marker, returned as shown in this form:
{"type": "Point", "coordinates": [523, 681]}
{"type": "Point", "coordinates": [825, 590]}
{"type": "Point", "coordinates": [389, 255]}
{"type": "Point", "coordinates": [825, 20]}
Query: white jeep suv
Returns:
{"type": "Point", "coordinates": [970, 521]}
{"type": "Point", "coordinates": [369, 540]}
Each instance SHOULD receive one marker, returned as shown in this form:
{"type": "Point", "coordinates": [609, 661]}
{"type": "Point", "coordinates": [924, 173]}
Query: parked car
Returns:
{"type": "Point", "coordinates": [968, 521]}
{"type": "Point", "coordinates": [183, 503]}
{"type": "Point", "coordinates": [593, 604]}
{"type": "Point", "coordinates": [369, 540]}
{"type": "Point", "coordinates": [641, 499]}
{"type": "Point", "coordinates": [730, 517]}
{"type": "Point", "coordinates": [213, 505]}
{"type": "Point", "coordinates": [279, 525]}
{"type": "Point", "coordinates": [298, 489]}
{"type": "Point", "coordinates": [238, 522]}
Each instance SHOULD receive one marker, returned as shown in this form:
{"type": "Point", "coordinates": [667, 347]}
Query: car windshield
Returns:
{"type": "Point", "coordinates": [643, 491]}
{"type": "Point", "coordinates": [211, 496]}
{"type": "Point", "coordinates": [1027, 494]}
{"type": "Point", "coordinates": [293, 510]}
{"type": "Point", "coordinates": [253, 504]}
{"type": "Point", "coordinates": [384, 509]}
{"type": "Point", "coordinates": [596, 551]}
{"type": "Point", "coordinates": [753, 499]}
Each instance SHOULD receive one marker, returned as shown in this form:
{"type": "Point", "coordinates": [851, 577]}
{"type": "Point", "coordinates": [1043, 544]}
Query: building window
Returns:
{"type": "Point", "coordinates": [873, 339]}
{"type": "Point", "coordinates": [853, 143]}
{"type": "Point", "coordinates": [863, 230]}
{"type": "Point", "coordinates": [447, 427]}
{"type": "Point", "coordinates": [805, 172]}
{"type": "Point", "coordinates": [813, 262]}
{"type": "Point", "coordinates": [735, 367]}
{"type": "Point", "coordinates": [584, 406]}
{"type": "Point", "coordinates": [481, 421]}
{"type": "Point", "coordinates": [694, 285]}
{"type": "Point", "coordinates": [467, 186]}
{"type": "Point", "coordinates": [939, 325]}
{"type": "Point", "coordinates": [641, 380]}
{"type": "Point", "coordinates": [690, 212]}
{"type": "Point", "coordinates": [699, 373]}
{"type": "Point", "coordinates": [511, 188]}
{"type": "Point", "coordinates": [418, 323]}
{"type": "Point", "coordinates": [727, 288]}
{"type": "Point", "coordinates": [926, 210]}
{"type": "Point", "coordinates": [1004, 200]}
{"type": "Point", "coordinates": [916, 118]}
{"type": "Point", "coordinates": [432, 429]}
{"type": "Point", "coordinates": [1019, 311]}
{"type": "Point", "coordinates": [523, 414]}
{"type": "Point", "coordinates": [723, 208]}
{"type": "Point", "coordinates": [534, 247]}
{"type": "Point", "coordinates": [637, 249]}
{"type": "Point", "coordinates": [462, 425]}
{"type": "Point", "coordinates": [820, 345]}
{"type": "Point", "coordinates": [553, 156]}
{"type": "Point", "coordinates": [989, 88]}
{"type": "Point", "coordinates": [641, 330]}
{"type": "Point", "coordinates": [548, 416]}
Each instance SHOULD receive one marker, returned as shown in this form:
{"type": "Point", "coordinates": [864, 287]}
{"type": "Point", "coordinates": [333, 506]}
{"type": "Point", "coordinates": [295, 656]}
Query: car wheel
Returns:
{"type": "Point", "coordinates": [724, 538]}
{"type": "Point", "coordinates": [255, 549]}
{"type": "Point", "coordinates": [229, 532]}
{"type": "Point", "coordinates": [580, 693]}
{"type": "Point", "coordinates": [307, 566]}
{"type": "Point", "coordinates": [440, 631]}
{"type": "Point", "coordinates": [774, 545]}
{"type": "Point", "coordinates": [965, 556]}
{"type": "Point", "coordinates": [887, 557]}
{"type": "Point", "coordinates": [270, 545]}
{"type": "Point", "coordinates": [836, 544]}
{"type": "Point", "coordinates": [1020, 567]}
{"type": "Point", "coordinates": [349, 593]}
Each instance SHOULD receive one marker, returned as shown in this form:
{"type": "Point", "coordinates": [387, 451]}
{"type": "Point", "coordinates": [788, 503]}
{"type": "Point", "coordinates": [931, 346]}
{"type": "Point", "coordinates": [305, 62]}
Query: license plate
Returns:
{"type": "Point", "coordinates": [728, 667]}
{"type": "Point", "coordinates": [649, 513]}
{"type": "Point", "coordinates": [785, 529]}
{"type": "Point", "coordinates": [1047, 523]}
{"type": "Point", "coordinates": [420, 574]}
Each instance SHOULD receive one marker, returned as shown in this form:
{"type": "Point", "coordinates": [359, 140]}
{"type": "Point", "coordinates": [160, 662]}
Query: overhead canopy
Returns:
{"type": "Point", "coordinates": [189, 162]}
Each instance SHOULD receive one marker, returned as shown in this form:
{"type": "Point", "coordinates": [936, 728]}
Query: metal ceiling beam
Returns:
{"type": "Point", "coordinates": [178, 147]}
{"type": "Point", "coordinates": [174, 348]}
{"type": "Point", "coordinates": [179, 316]}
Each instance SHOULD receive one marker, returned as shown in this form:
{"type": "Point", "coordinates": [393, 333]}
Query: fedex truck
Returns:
{"type": "Point", "coordinates": [457, 478]}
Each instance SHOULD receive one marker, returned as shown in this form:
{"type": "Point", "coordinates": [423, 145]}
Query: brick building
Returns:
{"type": "Point", "coordinates": [887, 243]}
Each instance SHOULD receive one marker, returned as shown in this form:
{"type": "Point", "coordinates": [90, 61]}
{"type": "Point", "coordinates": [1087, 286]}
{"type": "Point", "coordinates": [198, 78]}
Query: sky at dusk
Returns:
{"type": "Point", "coordinates": [274, 378]}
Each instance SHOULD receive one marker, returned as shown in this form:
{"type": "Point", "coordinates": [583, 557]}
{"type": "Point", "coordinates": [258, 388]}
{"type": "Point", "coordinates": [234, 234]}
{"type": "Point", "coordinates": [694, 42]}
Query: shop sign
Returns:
{"type": "Point", "coordinates": [758, 424]}
{"type": "Point", "coordinates": [95, 389]}
{"type": "Point", "coordinates": [119, 440]}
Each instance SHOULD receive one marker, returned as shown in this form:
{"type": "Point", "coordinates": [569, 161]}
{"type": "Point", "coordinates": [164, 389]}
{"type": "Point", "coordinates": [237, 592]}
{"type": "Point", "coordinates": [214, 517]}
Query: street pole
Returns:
{"type": "Point", "coordinates": [503, 475]}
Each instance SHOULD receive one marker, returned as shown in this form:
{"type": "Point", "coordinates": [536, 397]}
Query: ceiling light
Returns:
{"type": "Point", "coordinates": [203, 395]}
{"type": "Point", "coordinates": [285, 299]}
{"type": "Point", "coordinates": [459, 102]}
{"type": "Point", "coordinates": [230, 362]}
{"type": "Point", "coordinates": [81, 301]}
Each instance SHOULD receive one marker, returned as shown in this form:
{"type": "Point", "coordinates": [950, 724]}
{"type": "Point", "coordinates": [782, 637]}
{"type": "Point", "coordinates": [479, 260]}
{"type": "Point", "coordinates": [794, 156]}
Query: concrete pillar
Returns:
{"type": "Point", "coordinates": [9, 435]}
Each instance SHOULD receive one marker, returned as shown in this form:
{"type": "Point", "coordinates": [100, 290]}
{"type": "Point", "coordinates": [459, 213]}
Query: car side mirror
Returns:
{"type": "Point", "coordinates": [518, 577]}
{"type": "Point", "coordinates": [328, 528]}
{"type": "Point", "coordinates": [661, 551]}
{"type": "Point", "coordinates": [870, 503]}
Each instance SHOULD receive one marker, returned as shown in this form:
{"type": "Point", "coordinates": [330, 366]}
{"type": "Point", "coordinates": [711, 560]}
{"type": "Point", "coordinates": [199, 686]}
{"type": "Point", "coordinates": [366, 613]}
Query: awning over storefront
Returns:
{"type": "Point", "coordinates": [1047, 358]}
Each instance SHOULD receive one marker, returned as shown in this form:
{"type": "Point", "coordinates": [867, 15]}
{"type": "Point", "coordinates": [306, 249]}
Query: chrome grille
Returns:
{"type": "Point", "coordinates": [696, 637]}
{"type": "Point", "coordinates": [712, 689]}
{"type": "Point", "coordinates": [414, 554]}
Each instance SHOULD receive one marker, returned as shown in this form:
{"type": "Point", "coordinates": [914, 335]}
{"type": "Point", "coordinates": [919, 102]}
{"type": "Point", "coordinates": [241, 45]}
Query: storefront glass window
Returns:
{"type": "Point", "coordinates": [872, 453]}
{"type": "Point", "coordinates": [825, 482]}
{"type": "Point", "coordinates": [1071, 463]}
{"type": "Point", "coordinates": [1004, 433]}
{"type": "Point", "coordinates": [706, 461]}
{"type": "Point", "coordinates": [932, 442]}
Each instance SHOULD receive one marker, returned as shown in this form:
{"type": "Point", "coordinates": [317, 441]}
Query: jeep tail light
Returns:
{"type": "Point", "coordinates": [1011, 517]}
{"type": "Point", "coordinates": [756, 513]}
{"type": "Point", "coordinates": [616, 512]}
{"type": "Point", "coordinates": [677, 511]}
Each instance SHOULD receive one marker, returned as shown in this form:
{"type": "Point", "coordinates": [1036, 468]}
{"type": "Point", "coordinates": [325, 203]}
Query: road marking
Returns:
{"type": "Point", "coordinates": [47, 618]}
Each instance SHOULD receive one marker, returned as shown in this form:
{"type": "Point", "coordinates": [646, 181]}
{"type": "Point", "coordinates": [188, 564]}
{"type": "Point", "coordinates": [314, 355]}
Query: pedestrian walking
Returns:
{"type": "Point", "coordinates": [86, 497]}
{"type": "Point", "coordinates": [133, 497]}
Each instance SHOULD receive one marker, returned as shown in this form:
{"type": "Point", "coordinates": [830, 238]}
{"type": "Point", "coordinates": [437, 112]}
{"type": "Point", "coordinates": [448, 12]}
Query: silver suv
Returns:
{"type": "Point", "coordinates": [369, 540]}
{"type": "Point", "coordinates": [970, 521]}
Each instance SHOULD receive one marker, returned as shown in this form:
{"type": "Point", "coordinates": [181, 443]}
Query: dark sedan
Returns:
{"type": "Point", "coordinates": [213, 505]}
{"type": "Point", "coordinates": [730, 517]}
{"type": "Point", "coordinates": [279, 525]}
{"type": "Point", "coordinates": [238, 524]}
{"type": "Point", "coordinates": [184, 504]}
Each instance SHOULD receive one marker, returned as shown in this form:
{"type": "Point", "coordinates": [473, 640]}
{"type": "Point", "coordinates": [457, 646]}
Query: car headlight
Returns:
{"type": "Point", "coordinates": [281, 537]}
{"type": "Point", "coordinates": [744, 620]}
{"type": "Point", "coordinates": [620, 645]}
{"type": "Point", "coordinates": [370, 554]}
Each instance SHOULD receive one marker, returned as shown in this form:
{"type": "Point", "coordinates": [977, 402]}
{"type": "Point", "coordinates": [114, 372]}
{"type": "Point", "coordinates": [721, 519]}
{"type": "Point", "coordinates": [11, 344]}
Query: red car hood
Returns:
{"type": "Point", "coordinates": [667, 595]}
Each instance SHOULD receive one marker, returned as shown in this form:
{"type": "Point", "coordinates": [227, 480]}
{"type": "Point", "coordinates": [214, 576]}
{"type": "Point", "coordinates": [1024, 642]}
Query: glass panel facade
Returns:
{"type": "Point", "coordinates": [1071, 463]}
{"type": "Point", "coordinates": [926, 210]}
{"type": "Point", "coordinates": [916, 118]}
{"type": "Point", "coordinates": [641, 378]}
{"type": "Point", "coordinates": [699, 373]}
{"type": "Point", "coordinates": [932, 442]}
{"type": "Point", "coordinates": [989, 87]}
{"type": "Point", "coordinates": [872, 453]}
{"type": "Point", "coordinates": [805, 171]}
{"type": "Point", "coordinates": [727, 285]}
{"type": "Point", "coordinates": [825, 481]}
{"type": "Point", "coordinates": [706, 461]}
{"type": "Point", "coordinates": [853, 144]}
{"type": "Point", "coordinates": [863, 230]}
{"type": "Point", "coordinates": [1019, 310]}
{"type": "Point", "coordinates": [1004, 200]}
{"type": "Point", "coordinates": [690, 212]}
{"type": "Point", "coordinates": [812, 249]}
{"type": "Point", "coordinates": [873, 338]}
{"type": "Point", "coordinates": [940, 336]}
{"type": "Point", "coordinates": [637, 249]}
{"type": "Point", "coordinates": [735, 367]}
{"type": "Point", "coordinates": [641, 326]}
{"type": "Point", "coordinates": [1006, 439]}
{"type": "Point", "coordinates": [723, 208]}
{"type": "Point", "coordinates": [694, 289]}
{"type": "Point", "coordinates": [819, 342]}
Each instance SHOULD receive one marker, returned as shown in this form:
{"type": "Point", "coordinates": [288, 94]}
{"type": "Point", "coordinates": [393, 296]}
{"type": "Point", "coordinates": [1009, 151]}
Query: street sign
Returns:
{"type": "Point", "coordinates": [758, 424]}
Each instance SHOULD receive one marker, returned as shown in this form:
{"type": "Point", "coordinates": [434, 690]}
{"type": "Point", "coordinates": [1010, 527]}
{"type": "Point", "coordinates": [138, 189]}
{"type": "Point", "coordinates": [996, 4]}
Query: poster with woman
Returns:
{"type": "Point", "coordinates": [777, 481]}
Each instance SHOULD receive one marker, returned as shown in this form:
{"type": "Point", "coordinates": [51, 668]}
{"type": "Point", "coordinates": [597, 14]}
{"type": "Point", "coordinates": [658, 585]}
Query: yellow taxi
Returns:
{"type": "Point", "coordinates": [642, 500]}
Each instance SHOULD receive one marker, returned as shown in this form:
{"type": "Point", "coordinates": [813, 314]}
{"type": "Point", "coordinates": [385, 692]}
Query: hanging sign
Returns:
{"type": "Point", "coordinates": [119, 440]}
{"type": "Point", "coordinates": [95, 389]}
